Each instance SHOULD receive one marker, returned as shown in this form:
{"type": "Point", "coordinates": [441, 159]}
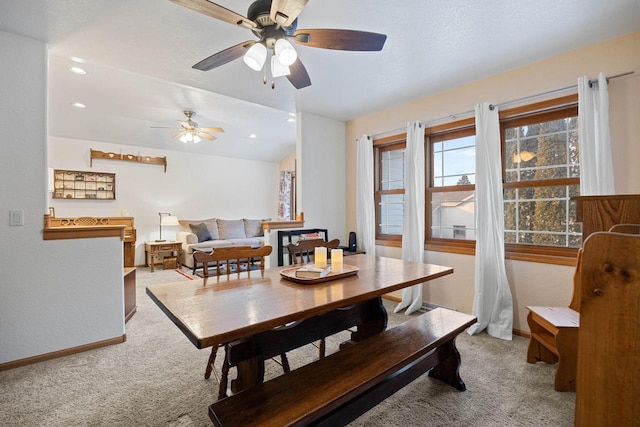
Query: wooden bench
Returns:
{"type": "Point", "coordinates": [337, 389]}
{"type": "Point", "coordinates": [554, 335]}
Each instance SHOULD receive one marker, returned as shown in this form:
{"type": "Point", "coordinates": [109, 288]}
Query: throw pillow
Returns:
{"type": "Point", "coordinates": [253, 227]}
{"type": "Point", "coordinates": [201, 231]}
{"type": "Point", "coordinates": [231, 229]}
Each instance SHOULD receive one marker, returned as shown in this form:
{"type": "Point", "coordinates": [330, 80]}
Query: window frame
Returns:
{"type": "Point", "coordinates": [513, 251]}
{"type": "Point", "coordinates": [553, 109]}
{"type": "Point", "coordinates": [434, 135]}
{"type": "Point", "coordinates": [395, 142]}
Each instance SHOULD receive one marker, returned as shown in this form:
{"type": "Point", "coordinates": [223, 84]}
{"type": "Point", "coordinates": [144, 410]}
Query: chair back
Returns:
{"type": "Point", "coordinates": [239, 255]}
{"type": "Point", "coordinates": [302, 251]}
{"type": "Point", "coordinates": [626, 228]}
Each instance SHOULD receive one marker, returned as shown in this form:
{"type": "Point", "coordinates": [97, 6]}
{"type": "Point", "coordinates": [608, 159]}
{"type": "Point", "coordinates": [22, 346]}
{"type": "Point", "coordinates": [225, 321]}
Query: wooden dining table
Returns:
{"type": "Point", "coordinates": [261, 314]}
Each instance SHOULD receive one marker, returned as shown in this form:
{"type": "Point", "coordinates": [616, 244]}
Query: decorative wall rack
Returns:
{"type": "Point", "coordinates": [95, 154]}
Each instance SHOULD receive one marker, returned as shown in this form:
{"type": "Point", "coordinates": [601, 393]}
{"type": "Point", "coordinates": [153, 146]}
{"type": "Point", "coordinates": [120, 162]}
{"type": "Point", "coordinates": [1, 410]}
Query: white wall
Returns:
{"type": "Point", "coordinates": [53, 294]}
{"type": "Point", "coordinates": [320, 148]}
{"type": "Point", "coordinates": [194, 187]}
{"type": "Point", "coordinates": [531, 283]}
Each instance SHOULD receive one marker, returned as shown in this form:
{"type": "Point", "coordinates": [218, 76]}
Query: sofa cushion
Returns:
{"type": "Point", "coordinates": [253, 227]}
{"type": "Point", "coordinates": [201, 231]}
{"type": "Point", "coordinates": [254, 242]}
{"type": "Point", "coordinates": [211, 224]}
{"type": "Point", "coordinates": [231, 229]}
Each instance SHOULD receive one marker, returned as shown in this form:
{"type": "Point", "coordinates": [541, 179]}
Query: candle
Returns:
{"type": "Point", "coordinates": [320, 257]}
{"type": "Point", "coordinates": [336, 261]}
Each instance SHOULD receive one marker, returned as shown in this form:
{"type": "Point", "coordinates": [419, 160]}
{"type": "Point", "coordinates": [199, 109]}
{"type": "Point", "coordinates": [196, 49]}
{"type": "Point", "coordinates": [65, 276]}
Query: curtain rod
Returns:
{"type": "Point", "coordinates": [502, 104]}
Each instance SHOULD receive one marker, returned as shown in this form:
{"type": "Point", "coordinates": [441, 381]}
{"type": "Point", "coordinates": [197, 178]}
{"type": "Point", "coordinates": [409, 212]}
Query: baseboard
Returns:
{"type": "Point", "coordinates": [62, 353]}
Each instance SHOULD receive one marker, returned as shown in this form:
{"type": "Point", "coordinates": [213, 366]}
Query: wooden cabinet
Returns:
{"type": "Point", "coordinates": [600, 213]}
{"type": "Point", "coordinates": [130, 305]}
{"type": "Point", "coordinates": [83, 185]}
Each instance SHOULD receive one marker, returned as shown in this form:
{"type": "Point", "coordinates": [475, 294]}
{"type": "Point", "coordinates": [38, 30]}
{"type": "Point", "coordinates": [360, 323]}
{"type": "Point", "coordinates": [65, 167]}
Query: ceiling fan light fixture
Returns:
{"type": "Point", "coordinates": [187, 137]}
{"type": "Point", "coordinates": [278, 69]}
{"type": "Point", "coordinates": [196, 139]}
{"type": "Point", "coordinates": [285, 52]}
{"type": "Point", "coordinates": [256, 56]}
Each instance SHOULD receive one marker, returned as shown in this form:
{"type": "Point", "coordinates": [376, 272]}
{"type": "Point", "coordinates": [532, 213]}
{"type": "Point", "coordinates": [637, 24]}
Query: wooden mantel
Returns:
{"type": "Point", "coordinates": [81, 231]}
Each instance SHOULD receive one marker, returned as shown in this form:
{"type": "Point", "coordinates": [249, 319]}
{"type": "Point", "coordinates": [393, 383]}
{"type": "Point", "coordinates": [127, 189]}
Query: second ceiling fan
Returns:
{"type": "Point", "coordinates": [274, 22]}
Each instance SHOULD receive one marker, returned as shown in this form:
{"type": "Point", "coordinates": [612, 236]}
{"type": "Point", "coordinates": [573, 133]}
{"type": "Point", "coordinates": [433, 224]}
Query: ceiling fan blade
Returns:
{"type": "Point", "coordinates": [222, 57]}
{"type": "Point", "coordinates": [216, 11]}
{"type": "Point", "coordinates": [299, 77]}
{"type": "Point", "coordinates": [163, 127]}
{"type": "Point", "coordinates": [340, 39]}
{"type": "Point", "coordinates": [212, 130]}
{"type": "Point", "coordinates": [206, 136]}
{"type": "Point", "coordinates": [284, 12]}
{"type": "Point", "coordinates": [179, 135]}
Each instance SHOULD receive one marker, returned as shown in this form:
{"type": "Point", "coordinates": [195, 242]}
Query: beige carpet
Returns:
{"type": "Point", "coordinates": [156, 378]}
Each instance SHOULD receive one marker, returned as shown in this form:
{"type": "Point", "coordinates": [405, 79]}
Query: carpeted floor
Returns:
{"type": "Point", "coordinates": [156, 378]}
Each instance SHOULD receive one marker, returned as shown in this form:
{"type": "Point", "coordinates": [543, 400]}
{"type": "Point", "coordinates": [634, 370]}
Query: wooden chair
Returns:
{"type": "Point", "coordinates": [302, 252]}
{"type": "Point", "coordinates": [237, 256]}
{"type": "Point", "coordinates": [608, 390]}
{"type": "Point", "coordinates": [554, 335]}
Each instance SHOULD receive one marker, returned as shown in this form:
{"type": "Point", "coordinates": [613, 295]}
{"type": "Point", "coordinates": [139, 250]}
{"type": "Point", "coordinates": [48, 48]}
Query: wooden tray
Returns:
{"type": "Point", "coordinates": [290, 274]}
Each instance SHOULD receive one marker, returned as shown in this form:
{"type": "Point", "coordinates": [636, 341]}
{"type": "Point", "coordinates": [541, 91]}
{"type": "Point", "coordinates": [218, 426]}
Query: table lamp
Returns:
{"type": "Point", "coordinates": [166, 219]}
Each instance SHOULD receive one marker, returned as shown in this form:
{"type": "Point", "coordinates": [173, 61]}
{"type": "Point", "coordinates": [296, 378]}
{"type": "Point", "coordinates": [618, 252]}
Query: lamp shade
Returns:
{"type": "Point", "coordinates": [277, 69]}
{"type": "Point", "coordinates": [285, 52]}
{"type": "Point", "coordinates": [168, 220]}
{"type": "Point", "coordinates": [256, 56]}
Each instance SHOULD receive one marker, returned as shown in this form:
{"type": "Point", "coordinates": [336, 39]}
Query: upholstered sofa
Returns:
{"type": "Point", "coordinates": [214, 233]}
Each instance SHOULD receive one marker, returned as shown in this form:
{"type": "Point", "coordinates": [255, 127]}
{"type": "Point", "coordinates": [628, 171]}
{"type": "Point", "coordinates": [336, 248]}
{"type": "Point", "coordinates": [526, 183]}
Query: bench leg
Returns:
{"type": "Point", "coordinates": [567, 342]}
{"type": "Point", "coordinates": [448, 368]}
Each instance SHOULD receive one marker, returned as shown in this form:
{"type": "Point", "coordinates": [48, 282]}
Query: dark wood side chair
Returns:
{"type": "Point", "coordinates": [227, 257]}
{"type": "Point", "coordinates": [302, 252]}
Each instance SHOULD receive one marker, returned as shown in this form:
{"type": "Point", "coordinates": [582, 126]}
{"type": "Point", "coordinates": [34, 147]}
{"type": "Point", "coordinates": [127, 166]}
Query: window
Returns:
{"type": "Point", "coordinates": [389, 195]}
{"type": "Point", "coordinates": [541, 174]}
{"type": "Point", "coordinates": [451, 192]}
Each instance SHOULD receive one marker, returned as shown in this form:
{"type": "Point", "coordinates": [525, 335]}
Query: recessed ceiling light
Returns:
{"type": "Point", "coordinates": [291, 120]}
{"type": "Point", "coordinates": [78, 60]}
{"type": "Point", "coordinates": [253, 135]}
{"type": "Point", "coordinates": [79, 105]}
{"type": "Point", "coordinates": [77, 70]}
{"type": "Point", "coordinates": [292, 114]}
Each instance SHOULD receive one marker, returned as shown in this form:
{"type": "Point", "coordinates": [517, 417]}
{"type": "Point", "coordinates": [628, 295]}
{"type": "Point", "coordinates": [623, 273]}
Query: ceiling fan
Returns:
{"type": "Point", "coordinates": [190, 132]}
{"type": "Point", "coordinates": [274, 22]}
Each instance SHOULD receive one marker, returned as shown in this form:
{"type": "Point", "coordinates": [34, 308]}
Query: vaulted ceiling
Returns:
{"type": "Point", "coordinates": [138, 56]}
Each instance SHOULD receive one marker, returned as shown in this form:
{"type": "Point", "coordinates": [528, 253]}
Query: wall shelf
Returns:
{"type": "Point", "coordinates": [83, 185]}
{"type": "Point", "coordinates": [95, 154]}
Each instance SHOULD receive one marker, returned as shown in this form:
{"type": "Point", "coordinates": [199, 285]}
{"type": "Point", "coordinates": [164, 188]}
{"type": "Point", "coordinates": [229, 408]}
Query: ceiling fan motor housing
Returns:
{"type": "Point", "coordinates": [259, 12]}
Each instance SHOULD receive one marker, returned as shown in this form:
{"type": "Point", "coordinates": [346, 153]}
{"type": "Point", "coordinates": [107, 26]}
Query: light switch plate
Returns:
{"type": "Point", "coordinates": [16, 217]}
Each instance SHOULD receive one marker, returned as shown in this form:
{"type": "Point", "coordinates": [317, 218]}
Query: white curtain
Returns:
{"type": "Point", "coordinates": [492, 303]}
{"type": "Point", "coordinates": [284, 196]}
{"type": "Point", "coordinates": [414, 205]}
{"type": "Point", "coordinates": [365, 204]}
{"type": "Point", "coordinates": [596, 166]}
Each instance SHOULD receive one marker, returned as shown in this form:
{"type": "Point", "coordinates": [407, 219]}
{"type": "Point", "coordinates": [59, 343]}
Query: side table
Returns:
{"type": "Point", "coordinates": [152, 249]}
